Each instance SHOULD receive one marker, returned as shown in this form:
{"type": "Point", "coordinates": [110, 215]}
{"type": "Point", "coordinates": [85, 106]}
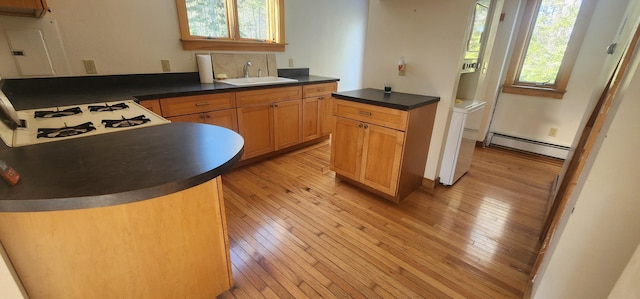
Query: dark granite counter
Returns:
{"type": "Point", "coordinates": [395, 100]}
{"type": "Point", "coordinates": [117, 168]}
{"type": "Point", "coordinates": [59, 91]}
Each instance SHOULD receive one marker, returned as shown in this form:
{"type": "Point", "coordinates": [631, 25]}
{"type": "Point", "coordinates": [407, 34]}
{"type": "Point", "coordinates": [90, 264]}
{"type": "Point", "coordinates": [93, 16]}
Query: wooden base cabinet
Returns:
{"type": "Point", "coordinates": [269, 119]}
{"type": "Point", "coordinates": [317, 118]}
{"type": "Point", "coordinates": [382, 149]}
{"type": "Point", "coordinates": [172, 246]}
{"type": "Point", "coordinates": [214, 109]}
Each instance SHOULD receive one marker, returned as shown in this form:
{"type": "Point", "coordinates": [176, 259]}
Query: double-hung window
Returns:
{"type": "Point", "coordinates": [550, 36]}
{"type": "Point", "coordinates": [242, 25]}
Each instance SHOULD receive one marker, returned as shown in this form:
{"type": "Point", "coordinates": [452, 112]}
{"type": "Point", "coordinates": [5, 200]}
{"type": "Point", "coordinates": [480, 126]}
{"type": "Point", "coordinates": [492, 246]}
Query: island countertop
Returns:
{"type": "Point", "coordinates": [117, 168]}
{"type": "Point", "coordinates": [395, 100]}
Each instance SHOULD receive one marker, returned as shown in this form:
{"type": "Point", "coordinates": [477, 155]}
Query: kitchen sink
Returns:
{"type": "Point", "coordinates": [256, 81]}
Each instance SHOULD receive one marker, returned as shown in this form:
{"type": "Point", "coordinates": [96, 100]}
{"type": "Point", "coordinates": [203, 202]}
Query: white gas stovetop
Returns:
{"type": "Point", "coordinates": [74, 121]}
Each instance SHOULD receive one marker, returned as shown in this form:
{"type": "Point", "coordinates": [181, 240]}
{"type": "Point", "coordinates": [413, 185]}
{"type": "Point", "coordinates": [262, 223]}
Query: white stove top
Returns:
{"type": "Point", "coordinates": [63, 124]}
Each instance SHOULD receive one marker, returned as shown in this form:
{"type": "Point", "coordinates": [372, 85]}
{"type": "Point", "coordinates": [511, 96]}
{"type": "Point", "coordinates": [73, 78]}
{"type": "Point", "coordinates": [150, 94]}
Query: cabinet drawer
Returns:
{"type": "Point", "coordinates": [314, 90]}
{"type": "Point", "coordinates": [195, 104]}
{"type": "Point", "coordinates": [266, 96]}
{"type": "Point", "coordinates": [386, 117]}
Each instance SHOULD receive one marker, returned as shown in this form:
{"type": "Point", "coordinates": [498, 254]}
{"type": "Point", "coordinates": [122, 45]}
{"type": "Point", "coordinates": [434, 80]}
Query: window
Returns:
{"type": "Point", "coordinates": [550, 36]}
{"type": "Point", "coordinates": [241, 25]}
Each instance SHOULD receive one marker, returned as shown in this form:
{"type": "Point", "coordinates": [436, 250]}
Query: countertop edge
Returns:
{"type": "Point", "coordinates": [354, 98]}
{"type": "Point", "coordinates": [106, 200]}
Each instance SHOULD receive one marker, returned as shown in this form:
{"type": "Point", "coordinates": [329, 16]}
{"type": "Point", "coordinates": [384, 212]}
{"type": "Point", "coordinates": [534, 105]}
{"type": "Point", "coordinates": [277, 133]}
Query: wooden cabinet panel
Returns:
{"type": "Point", "coordinates": [189, 118]}
{"type": "Point", "coordinates": [255, 124]}
{"type": "Point", "coordinates": [199, 103]}
{"type": "Point", "coordinates": [310, 119]}
{"type": "Point", "coordinates": [325, 118]}
{"type": "Point", "coordinates": [267, 96]}
{"type": "Point", "coordinates": [223, 118]}
{"type": "Point", "coordinates": [317, 109]}
{"type": "Point", "coordinates": [386, 117]}
{"type": "Point", "coordinates": [287, 118]}
{"type": "Point", "coordinates": [24, 8]}
{"type": "Point", "coordinates": [381, 157]}
{"type": "Point", "coordinates": [314, 90]}
{"type": "Point", "coordinates": [346, 147]}
{"type": "Point", "coordinates": [153, 105]}
{"type": "Point", "coordinates": [171, 246]}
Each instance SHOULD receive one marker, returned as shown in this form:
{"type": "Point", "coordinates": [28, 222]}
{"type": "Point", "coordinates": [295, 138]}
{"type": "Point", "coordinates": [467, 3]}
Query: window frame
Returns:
{"type": "Point", "coordinates": [234, 42]}
{"type": "Point", "coordinates": [558, 88]}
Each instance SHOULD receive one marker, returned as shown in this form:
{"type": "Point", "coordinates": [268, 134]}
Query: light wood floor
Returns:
{"type": "Point", "coordinates": [296, 232]}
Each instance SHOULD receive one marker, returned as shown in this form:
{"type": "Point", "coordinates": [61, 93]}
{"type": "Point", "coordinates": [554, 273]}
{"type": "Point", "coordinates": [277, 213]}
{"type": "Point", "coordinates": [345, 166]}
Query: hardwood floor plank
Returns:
{"type": "Point", "coordinates": [298, 232]}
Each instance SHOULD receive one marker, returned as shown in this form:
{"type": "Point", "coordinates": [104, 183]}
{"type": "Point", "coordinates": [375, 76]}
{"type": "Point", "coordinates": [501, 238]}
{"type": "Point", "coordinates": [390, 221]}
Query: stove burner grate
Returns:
{"type": "Point", "coordinates": [65, 131]}
{"type": "Point", "coordinates": [56, 113]}
{"type": "Point", "coordinates": [125, 122]}
{"type": "Point", "coordinates": [107, 107]}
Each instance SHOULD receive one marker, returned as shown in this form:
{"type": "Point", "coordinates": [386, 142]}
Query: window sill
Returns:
{"type": "Point", "coordinates": [534, 91]}
{"type": "Point", "coordinates": [207, 44]}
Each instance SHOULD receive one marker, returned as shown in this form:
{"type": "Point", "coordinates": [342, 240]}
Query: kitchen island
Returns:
{"type": "Point", "coordinates": [381, 140]}
{"type": "Point", "coordinates": [136, 214]}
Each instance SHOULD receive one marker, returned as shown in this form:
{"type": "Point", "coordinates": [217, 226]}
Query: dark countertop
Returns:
{"type": "Point", "coordinates": [117, 168]}
{"type": "Point", "coordinates": [395, 100]}
{"type": "Point", "coordinates": [60, 91]}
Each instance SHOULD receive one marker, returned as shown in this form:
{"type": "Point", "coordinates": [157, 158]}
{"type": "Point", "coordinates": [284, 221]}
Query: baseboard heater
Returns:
{"type": "Point", "coordinates": [527, 145]}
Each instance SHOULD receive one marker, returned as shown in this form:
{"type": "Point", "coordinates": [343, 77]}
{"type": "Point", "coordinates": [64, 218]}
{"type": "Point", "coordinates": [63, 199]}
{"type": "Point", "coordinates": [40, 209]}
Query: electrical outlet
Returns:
{"type": "Point", "coordinates": [553, 132]}
{"type": "Point", "coordinates": [90, 66]}
{"type": "Point", "coordinates": [290, 62]}
{"type": "Point", "coordinates": [166, 66]}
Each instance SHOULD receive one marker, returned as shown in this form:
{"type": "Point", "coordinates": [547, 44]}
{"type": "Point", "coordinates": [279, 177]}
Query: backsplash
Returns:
{"type": "Point", "coordinates": [231, 64]}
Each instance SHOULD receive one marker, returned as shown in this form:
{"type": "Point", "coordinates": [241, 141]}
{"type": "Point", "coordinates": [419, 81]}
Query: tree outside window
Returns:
{"type": "Point", "coordinates": [232, 24]}
{"type": "Point", "coordinates": [548, 42]}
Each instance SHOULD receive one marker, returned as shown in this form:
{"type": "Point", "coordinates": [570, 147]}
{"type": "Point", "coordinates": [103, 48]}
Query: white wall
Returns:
{"type": "Point", "coordinates": [328, 37]}
{"type": "Point", "coordinates": [430, 34]}
{"type": "Point", "coordinates": [532, 117]}
{"type": "Point", "coordinates": [131, 37]}
{"type": "Point", "coordinates": [627, 285]}
{"type": "Point", "coordinates": [594, 243]}
{"type": "Point", "coordinates": [9, 288]}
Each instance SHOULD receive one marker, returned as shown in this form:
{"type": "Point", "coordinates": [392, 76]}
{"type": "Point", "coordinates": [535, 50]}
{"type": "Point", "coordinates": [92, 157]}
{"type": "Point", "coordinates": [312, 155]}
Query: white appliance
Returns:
{"type": "Point", "coordinates": [26, 127]}
{"type": "Point", "coordinates": [461, 140]}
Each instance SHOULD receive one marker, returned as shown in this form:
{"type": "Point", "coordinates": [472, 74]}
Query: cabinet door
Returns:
{"type": "Point", "coordinates": [153, 105]}
{"type": "Point", "coordinates": [325, 115]}
{"type": "Point", "coordinates": [287, 117]}
{"type": "Point", "coordinates": [189, 118]}
{"type": "Point", "coordinates": [346, 147]}
{"type": "Point", "coordinates": [381, 157]}
{"type": "Point", "coordinates": [310, 119]}
{"type": "Point", "coordinates": [255, 124]}
{"type": "Point", "coordinates": [224, 118]}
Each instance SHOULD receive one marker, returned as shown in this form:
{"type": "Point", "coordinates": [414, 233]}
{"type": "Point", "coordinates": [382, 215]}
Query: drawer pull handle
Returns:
{"type": "Point", "coordinates": [360, 125]}
{"type": "Point", "coordinates": [320, 89]}
{"type": "Point", "coordinates": [366, 126]}
{"type": "Point", "coordinates": [367, 113]}
{"type": "Point", "coordinates": [321, 98]}
{"type": "Point", "coordinates": [202, 104]}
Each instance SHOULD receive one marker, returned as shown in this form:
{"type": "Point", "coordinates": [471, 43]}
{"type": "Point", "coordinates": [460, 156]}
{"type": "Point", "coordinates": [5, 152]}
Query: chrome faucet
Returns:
{"type": "Point", "coordinates": [245, 69]}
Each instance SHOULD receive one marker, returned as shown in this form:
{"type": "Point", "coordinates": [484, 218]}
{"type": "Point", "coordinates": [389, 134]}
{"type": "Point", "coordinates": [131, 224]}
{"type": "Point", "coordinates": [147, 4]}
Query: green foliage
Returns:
{"type": "Point", "coordinates": [253, 19]}
{"type": "Point", "coordinates": [209, 18]}
{"type": "Point", "coordinates": [549, 40]}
